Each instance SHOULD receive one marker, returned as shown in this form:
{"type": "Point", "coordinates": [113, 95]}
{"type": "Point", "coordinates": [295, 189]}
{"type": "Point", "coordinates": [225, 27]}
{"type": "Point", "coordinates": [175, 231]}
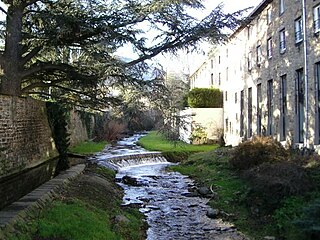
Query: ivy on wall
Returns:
{"type": "Point", "coordinates": [58, 117]}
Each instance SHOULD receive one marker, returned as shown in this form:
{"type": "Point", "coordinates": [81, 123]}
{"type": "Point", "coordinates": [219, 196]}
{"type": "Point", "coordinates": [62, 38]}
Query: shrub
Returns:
{"type": "Point", "coordinates": [261, 149]}
{"type": "Point", "coordinates": [205, 98]}
{"type": "Point", "coordinates": [113, 130]}
{"type": "Point", "coordinates": [310, 222]}
{"type": "Point", "coordinates": [58, 121]}
{"type": "Point", "coordinates": [272, 182]}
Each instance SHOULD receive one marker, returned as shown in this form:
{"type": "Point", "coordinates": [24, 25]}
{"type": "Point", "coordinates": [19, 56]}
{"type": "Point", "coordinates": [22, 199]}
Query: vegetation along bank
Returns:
{"type": "Point", "coordinates": [88, 208]}
{"type": "Point", "coordinates": [268, 192]}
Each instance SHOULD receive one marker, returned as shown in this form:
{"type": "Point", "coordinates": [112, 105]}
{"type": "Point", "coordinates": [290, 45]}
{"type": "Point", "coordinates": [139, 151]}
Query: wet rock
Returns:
{"type": "Point", "coordinates": [212, 213]}
{"type": "Point", "coordinates": [130, 181]}
{"type": "Point", "coordinates": [190, 194]}
{"type": "Point", "coordinates": [203, 191]}
{"type": "Point", "coordinates": [269, 238]}
{"type": "Point", "coordinates": [120, 219]}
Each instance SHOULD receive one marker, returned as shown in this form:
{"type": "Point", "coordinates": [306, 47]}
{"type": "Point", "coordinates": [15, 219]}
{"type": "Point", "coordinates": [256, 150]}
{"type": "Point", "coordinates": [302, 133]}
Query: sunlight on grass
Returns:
{"type": "Point", "coordinates": [88, 147]}
{"type": "Point", "coordinates": [156, 142]}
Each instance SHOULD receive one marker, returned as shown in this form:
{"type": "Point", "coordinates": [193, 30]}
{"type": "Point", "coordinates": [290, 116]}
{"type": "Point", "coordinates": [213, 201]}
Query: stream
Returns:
{"type": "Point", "coordinates": [171, 210]}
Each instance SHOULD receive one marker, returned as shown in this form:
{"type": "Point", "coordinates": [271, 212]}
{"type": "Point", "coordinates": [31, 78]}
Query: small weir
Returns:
{"type": "Point", "coordinates": [171, 210]}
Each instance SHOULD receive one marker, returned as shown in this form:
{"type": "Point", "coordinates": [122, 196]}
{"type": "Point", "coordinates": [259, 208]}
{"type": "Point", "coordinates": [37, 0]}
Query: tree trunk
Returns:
{"type": "Point", "coordinates": [11, 64]}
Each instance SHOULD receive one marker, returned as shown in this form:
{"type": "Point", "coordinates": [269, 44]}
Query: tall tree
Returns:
{"type": "Point", "coordinates": [66, 48]}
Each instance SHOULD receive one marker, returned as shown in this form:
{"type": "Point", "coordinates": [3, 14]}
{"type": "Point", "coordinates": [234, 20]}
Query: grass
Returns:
{"type": "Point", "coordinates": [88, 147]}
{"type": "Point", "coordinates": [154, 141]}
{"type": "Point", "coordinates": [86, 209]}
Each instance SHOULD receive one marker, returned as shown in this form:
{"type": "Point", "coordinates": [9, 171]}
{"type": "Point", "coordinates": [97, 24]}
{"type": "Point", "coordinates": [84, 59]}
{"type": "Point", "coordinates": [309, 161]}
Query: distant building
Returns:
{"type": "Point", "coordinates": [269, 72]}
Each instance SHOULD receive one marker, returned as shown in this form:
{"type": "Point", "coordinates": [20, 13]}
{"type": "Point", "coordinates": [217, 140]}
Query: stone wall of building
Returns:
{"type": "Point", "coordinates": [253, 66]}
{"type": "Point", "coordinates": [25, 135]}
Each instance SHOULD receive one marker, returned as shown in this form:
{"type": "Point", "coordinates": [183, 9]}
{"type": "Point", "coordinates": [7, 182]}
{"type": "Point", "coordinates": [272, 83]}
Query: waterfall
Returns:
{"type": "Point", "coordinates": [118, 162]}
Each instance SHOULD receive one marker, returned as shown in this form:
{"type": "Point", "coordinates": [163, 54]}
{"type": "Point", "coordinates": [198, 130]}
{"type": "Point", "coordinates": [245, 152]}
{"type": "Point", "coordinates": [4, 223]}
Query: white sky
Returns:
{"type": "Point", "coordinates": [183, 62]}
{"type": "Point", "coordinates": [188, 63]}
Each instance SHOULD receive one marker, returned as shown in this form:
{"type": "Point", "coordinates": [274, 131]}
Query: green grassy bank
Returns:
{"type": "Point", "coordinates": [173, 151]}
{"type": "Point", "coordinates": [88, 147]}
{"type": "Point", "coordinates": [88, 208]}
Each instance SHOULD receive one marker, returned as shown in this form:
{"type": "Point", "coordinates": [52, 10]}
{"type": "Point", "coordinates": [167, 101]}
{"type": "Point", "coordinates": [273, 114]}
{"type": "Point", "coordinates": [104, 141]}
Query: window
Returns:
{"type": "Point", "coordinates": [270, 106]}
{"type": "Point", "coordinates": [316, 18]}
{"type": "Point", "coordinates": [226, 96]}
{"type": "Point", "coordinates": [227, 74]}
{"type": "Point", "coordinates": [249, 112]}
{"type": "Point", "coordinates": [249, 60]}
{"type": "Point", "coordinates": [259, 109]}
{"type": "Point", "coordinates": [298, 30]}
{"type": "Point", "coordinates": [300, 105]}
{"type": "Point", "coordinates": [236, 98]}
{"type": "Point", "coordinates": [211, 78]}
{"type": "Point", "coordinates": [282, 37]}
{"type": "Point", "coordinates": [259, 55]}
{"type": "Point", "coordinates": [219, 78]}
{"type": "Point", "coordinates": [269, 15]}
{"type": "Point", "coordinates": [283, 106]}
{"type": "Point", "coordinates": [219, 59]}
{"type": "Point", "coordinates": [269, 48]}
{"type": "Point", "coordinates": [317, 79]}
{"type": "Point", "coordinates": [242, 113]}
{"type": "Point", "coordinates": [211, 63]}
{"type": "Point", "coordinates": [227, 124]}
{"type": "Point", "coordinates": [281, 6]}
{"type": "Point", "coordinates": [249, 28]}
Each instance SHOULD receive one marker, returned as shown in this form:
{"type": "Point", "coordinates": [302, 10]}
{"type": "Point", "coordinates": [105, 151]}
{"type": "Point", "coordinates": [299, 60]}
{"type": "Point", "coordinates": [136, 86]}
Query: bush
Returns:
{"type": "Point", "coordinates": [253, 153]}
{"type": "Point", "coordinates": [205, 98]}
{"type": "Point", "coordinates": [272, 182]}
{"type": "Point", "coordinates": [310, 223]}
{"type": "Point", "coordinates": [113, 130]}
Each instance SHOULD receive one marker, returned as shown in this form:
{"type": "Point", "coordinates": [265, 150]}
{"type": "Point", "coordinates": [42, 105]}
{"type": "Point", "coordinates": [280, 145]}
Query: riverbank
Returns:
{"type": "Point", "coordinates": [87, 208]}
{"type": "Point", "coordinates": [268, 193]}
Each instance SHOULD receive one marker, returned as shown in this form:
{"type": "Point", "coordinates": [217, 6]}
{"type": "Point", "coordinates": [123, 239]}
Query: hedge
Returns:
{"type": "Point", "coordinates": [205, 98]}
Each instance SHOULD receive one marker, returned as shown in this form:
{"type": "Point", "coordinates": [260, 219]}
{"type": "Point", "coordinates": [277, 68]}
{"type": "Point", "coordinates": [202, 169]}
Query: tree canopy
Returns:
{"type": "Point", "coordinates": [66, 49]}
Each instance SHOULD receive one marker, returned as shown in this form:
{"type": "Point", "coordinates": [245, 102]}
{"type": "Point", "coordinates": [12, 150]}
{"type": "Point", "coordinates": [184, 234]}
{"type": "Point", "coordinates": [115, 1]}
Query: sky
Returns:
{"type": "Point", "coordinates": [188, 63]}
{"type": "Point", "coordinates": [184, 62]}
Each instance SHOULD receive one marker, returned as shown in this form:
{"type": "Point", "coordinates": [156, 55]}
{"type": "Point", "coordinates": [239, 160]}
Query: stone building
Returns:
{"type": "Point", "coordinates": [269, 72]}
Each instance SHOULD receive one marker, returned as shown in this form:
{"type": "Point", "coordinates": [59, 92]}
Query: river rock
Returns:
{"type": "Point", "coordinates": [269, 238]}
{"type": "Point", "coordinates": [120, 219]}
{"type": "Point", "coordinates": [130, 181]}
{"type": "Point", "coordinates": [203, 191]}
{"type": "Point", "coordinates": [212, 213]}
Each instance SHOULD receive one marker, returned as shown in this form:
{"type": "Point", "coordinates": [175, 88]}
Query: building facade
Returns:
{"type": "Point", "coordinates": [269, 72]}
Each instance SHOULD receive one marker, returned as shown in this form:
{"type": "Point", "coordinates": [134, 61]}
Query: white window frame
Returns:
{"type": "Point", "coordinates": [298, 30]}
{"type": "Point", "coordinates": [281, 6]}
{"type": "Point", "coordinates": [316, 19]}
{"type": "Point", "coordinates": [282, 38]}
{"type": "Point", "coordinates": [269, 15]}
{"type": "Point", "coordinates": [259, 55]}
{"type": "Point", "coordinates": [269, 48]}
{"type": "Point", "coordinates": [250, 61]}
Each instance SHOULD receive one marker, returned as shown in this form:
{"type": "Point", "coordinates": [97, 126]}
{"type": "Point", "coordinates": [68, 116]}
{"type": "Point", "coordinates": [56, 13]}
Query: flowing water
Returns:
{"type": "Point", "coordinates": [171, 211]}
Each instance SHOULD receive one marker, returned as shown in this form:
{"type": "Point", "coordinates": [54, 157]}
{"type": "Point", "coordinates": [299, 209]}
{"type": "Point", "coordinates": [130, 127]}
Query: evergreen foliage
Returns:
{"type": "Point", "coordinates": [58, 118]}
{"type": "Point", "coordinates": [205, 98]}
{"type": "Point", "coordinates": [68, 49]}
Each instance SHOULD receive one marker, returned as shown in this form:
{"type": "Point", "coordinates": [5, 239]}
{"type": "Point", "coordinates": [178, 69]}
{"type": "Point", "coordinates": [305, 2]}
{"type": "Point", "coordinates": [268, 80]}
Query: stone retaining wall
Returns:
{"type": "Point", "coordinates": [25, 135]}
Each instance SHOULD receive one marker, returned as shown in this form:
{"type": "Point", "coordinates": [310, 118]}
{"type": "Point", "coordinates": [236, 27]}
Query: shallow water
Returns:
{"type": "Point", "coordinates": [163, 197]}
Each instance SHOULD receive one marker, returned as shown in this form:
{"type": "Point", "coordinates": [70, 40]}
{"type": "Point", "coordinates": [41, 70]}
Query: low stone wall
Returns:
{"type": "Point", "coordinates": [25, 135]}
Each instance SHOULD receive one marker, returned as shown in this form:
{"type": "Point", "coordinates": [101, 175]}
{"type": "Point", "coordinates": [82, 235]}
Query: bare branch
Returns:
{"type": "Point", "coordinates": [2, 10]}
